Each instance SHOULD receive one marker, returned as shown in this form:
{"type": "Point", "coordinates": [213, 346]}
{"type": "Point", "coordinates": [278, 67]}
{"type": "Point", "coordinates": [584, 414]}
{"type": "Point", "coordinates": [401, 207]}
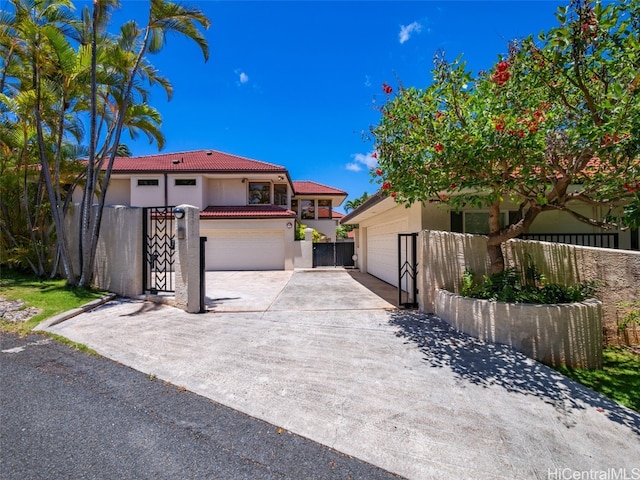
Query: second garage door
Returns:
{"type": "Point", "coordinates": [382, 250]}
{"type": "Point", "coordinates": [244, 250]}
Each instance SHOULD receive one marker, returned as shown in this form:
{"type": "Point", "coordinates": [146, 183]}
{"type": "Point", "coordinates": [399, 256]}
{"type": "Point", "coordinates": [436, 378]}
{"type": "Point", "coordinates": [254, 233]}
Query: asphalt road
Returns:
{"type": "Point", "coordinates": [67, 415]}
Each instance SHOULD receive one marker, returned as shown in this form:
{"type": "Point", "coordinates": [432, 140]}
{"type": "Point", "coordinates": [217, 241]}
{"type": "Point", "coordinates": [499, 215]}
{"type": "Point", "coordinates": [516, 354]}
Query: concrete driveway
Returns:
{"type": "Point", "coordinates": [319, 355]}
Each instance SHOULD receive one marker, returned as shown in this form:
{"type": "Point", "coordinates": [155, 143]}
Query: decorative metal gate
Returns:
{"type": "Point", "coordinates": [407, 270]}
{"type": "Point", "coordinates": [158, 249]}
{"type": "Point", "coordinates": [337, 254]}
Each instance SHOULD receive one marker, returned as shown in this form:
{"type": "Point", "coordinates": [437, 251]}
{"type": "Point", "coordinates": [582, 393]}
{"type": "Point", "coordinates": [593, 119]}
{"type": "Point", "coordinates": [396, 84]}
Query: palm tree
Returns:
{"type": "Point", "coordinates": [29, 39]}
{"type": "Point", "coordinates": [47, 85]}
{"type": "Point", "coordinates": [356, 202]}
{"type": "Point", "coordinates": [133, 46]}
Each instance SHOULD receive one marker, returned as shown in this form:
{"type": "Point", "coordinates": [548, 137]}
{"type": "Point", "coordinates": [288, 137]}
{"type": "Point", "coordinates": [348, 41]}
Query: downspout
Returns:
{"type": "Point", "coordinates": [166, 190]}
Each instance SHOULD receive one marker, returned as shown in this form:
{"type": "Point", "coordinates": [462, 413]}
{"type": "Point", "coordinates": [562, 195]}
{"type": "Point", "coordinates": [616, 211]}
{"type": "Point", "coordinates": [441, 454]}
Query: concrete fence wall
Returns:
{"type": "Point", "coordinates": [118, 260]}
{"type": "Point", "coordinates": [444, 256]}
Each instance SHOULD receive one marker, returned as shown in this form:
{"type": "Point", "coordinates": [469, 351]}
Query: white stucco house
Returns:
{"type": "Point", "coordinates": [248, 208]}
{"type": "Point", "coordinates": [380, 219]}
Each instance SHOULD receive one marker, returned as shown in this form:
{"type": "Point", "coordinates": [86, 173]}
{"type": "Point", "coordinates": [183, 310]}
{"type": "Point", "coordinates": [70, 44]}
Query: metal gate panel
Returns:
{"type": "Point", "coordinates": [337, 254]}
{"type": "Point", "coordinates": [407, 270]}
{"type": "Point", "coordinates": [344, 254]}
{"type": "Point", "coordinates": [158, 249]}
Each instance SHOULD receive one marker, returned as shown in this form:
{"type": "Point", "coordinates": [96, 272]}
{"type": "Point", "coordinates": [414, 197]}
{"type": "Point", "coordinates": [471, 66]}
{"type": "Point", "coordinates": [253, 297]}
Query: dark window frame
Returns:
{"type": "Point", "coordinates": [185, 182]}
{"type": "Point", "coordinates": [320, 207]}
{"type": "Point", "coordinates": [280, 198]}
{"type": "Point", "coordinates": [307, 212]}
{"type": "Point", "coordinates": [148, 182]}
{"type": "Point", "coordinates": [256, 196]}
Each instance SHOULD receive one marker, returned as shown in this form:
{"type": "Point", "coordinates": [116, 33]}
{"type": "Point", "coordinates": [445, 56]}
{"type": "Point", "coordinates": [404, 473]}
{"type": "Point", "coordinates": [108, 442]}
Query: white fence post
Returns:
{"type": "Point", "coordinates": [187, 265]}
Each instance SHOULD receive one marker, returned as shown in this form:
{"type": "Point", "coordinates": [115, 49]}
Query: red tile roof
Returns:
{"type": "Point", "coordinates": [245, 211]}
{"type": "Point", "coordinates": [306, 187]}
{"type": "Point", "coordinates": [194, 161]}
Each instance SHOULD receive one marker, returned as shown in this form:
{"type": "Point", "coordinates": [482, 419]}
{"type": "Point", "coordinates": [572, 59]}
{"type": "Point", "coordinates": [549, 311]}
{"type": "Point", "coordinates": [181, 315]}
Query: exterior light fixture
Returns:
{"type": "Point", "coordinates": [289, 225]}
{"type": "Point", "coordinates": [178, 213]}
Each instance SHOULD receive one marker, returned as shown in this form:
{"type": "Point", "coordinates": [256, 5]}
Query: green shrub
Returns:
{"type": "Point", "coordinates": [513, 287]}
{"type": "Point", "coordinates": [631, 315]}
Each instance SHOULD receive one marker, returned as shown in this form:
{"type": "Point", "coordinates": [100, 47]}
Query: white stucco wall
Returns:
{"type": "Point", "coordinates": [118, 260]}
{"type": "Point", "coordinates": [222, 191]}
{"type": "Point", "coordinates": [119, 192]}
{"type": "Point", "coordinates": [147, 195]}
{"type": "Point", "coordinates": [185, 194]}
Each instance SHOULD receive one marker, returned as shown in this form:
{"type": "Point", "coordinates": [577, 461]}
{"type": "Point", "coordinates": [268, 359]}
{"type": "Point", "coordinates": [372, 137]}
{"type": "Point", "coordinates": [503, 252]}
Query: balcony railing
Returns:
{"type": "Point", "coordinates": [603, 240]}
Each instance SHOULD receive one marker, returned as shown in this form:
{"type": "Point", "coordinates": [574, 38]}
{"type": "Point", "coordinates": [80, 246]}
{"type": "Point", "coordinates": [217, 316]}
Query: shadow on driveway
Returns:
{"type": "Point", "coordinates": [487, 364]}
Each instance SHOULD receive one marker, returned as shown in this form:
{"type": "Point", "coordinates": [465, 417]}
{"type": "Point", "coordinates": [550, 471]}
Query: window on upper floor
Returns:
{"type": "Point", "coordinates": [185, 182]}
{"type": "Point", "coordinates": [307, 210]}
{"type": "Point", "coordinates": [324, 209]}
{"type": "Point", "coordinates": [280, 194]}
{"type": "Point", "coordinates": [148, 182]}
{"type": "Point", "coordinates": [259, 193]}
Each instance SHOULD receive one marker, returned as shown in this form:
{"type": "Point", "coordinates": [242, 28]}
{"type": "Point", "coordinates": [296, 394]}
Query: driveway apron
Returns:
{"type": "Point", "coordinates": [323, 357]}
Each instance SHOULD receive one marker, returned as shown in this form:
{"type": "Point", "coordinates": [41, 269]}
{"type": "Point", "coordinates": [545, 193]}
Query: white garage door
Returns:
{"type": "Point", "coordinates": [244, 250]}
{"type": "Point", "coordinates": [382, 250]}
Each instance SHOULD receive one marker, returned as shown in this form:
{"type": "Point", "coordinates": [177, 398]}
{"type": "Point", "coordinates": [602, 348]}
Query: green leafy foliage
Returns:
{"type": "Point", "coordinates": [552, 126]}
{"type": "Point", "coordinates": [300, 233]}
{"type": "Point", "coordinates": [513, 287]}
{"type": "Point", "coordinates": [631, 314]}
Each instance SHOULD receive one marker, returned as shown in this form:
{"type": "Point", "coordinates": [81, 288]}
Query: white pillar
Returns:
{"type": "Point", "coordinates": [187, 265]}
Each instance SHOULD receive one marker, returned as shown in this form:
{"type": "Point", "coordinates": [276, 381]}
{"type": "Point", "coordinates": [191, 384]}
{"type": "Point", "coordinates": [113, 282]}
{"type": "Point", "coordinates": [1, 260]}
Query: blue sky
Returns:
{"type": "Point", "coordinates": [296, 83]}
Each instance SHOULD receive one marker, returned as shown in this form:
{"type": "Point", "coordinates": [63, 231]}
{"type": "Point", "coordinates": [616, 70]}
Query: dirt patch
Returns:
{"type": "Point", "coordinates": [16, 310]}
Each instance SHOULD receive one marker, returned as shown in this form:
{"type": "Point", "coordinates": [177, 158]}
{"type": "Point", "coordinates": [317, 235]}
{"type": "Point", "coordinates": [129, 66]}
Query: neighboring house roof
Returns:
{"type": "Point", "coordinates": [197, 161]}
{"type": "Point", "coordinates": [337, 215]}
{"type": "Point", "coordinates": [249, 211]}
{"type": "Point", "coordinates": [307, 187]}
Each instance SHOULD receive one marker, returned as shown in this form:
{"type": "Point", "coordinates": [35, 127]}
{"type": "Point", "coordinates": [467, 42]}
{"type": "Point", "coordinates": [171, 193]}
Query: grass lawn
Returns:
{"type": "Point", "coordinates": [50, 296]}
{"type": "Point", "coordinates": [619, 379]}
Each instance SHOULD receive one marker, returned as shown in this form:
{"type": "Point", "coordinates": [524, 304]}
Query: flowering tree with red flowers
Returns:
{"type": "Point", "coordinates": [554, 125]}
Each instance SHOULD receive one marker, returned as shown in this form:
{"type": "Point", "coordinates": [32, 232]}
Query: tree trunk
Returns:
{"type": "Point", "coordinates": [494, 248]}
{"type": "Point", "coordinates": [497, 235]}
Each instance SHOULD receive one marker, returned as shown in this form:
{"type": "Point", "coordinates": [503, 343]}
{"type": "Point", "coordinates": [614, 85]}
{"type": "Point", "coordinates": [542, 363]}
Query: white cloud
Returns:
{"type": "Point", "coordinates": [367, 81]}
{"type": "Point", "coordinates": [407, 30]}
{"type": "Point", "coordinates": [244, 78]}
{"type": "Point", "coordinates": [362, 160]}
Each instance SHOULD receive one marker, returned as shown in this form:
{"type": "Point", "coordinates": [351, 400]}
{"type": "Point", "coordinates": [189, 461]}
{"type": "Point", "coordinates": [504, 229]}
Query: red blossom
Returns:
{"type": "Point", "coordinates": [438, 147]}
{"type": "Point", "coordinates": [539, 116]}
{"type": "Point", "coordinates": [500, 77]}
{"type": "Point", "coordinates": [439, 115]}
{"type": "Point", "coordinates": [394, 194]}
{"type": "Point", "coordinates": [386, 186]}
{"type": "Point", "coordinates": [386, 88]}
{"type": "Point", "coordinates": [452, 186]}
{"type": "Point", "coordinates": [503, 66]}
{"type": "Point", "coordinates": [629, 187]}
{"type": "Point", "coordinates": [379, 172]}
{"type": "Point", "coordinates": [374, 155]}
{"type": "Point", "coordinates": [499, 125]}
